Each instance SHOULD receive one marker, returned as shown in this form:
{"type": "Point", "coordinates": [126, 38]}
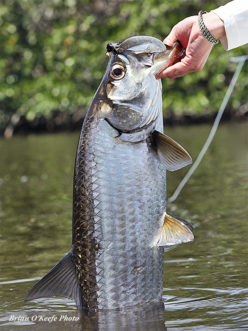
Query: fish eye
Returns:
{"type": "Point", "coordinates": [117, 71]}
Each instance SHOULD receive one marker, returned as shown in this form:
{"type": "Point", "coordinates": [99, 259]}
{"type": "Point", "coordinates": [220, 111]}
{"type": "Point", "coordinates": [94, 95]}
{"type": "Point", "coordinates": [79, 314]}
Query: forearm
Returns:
{"type": "Point", "coordinates": [215, 25]}
{"type": "Point", "coordinates": [235, 17]}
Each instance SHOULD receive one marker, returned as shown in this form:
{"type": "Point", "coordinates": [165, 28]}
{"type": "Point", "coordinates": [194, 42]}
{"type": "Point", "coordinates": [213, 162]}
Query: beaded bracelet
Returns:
{"type": "Point", "coordinates": [204, 29]}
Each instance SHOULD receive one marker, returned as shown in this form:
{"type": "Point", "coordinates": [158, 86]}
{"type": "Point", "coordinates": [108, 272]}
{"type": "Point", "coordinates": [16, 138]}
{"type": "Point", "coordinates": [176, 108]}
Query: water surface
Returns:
{"type": "Point", "coordinates": [205, 282]}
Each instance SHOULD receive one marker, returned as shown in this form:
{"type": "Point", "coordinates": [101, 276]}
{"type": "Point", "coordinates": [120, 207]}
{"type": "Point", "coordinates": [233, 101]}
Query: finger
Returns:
{"type": "Point", "coordinates": [171, 38]}
{"type": "Point", "coordinates": [177, 70]}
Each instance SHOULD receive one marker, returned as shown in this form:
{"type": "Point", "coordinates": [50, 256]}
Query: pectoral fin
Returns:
{"type": "Point", "coordinates": [171, 154]}
{"type": "Point", "coordinates": [174, 231]}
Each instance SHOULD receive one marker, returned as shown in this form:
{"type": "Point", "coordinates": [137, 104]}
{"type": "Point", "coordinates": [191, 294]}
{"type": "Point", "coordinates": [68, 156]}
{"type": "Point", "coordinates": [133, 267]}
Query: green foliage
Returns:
{"type": "Point", "coordinates": [52, 54]}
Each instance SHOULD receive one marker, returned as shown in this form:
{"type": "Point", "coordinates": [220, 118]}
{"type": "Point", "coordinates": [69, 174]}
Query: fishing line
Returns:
{"type": "Point", "coordinates": [241, 60]}
{"type": "Point", "coordinates": [25, 280]}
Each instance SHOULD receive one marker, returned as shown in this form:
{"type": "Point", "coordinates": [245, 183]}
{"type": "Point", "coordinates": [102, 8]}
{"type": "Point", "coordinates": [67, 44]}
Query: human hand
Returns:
{"type": "Point", "coordinates": [197, 47]}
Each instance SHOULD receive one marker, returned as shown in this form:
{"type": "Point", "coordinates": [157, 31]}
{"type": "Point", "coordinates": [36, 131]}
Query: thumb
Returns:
{"type": "Point", "coordinates": [171, 38]}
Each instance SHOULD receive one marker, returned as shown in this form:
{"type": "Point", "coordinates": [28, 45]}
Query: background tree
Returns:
{"type": "Point", "coordinates": [52, 57]}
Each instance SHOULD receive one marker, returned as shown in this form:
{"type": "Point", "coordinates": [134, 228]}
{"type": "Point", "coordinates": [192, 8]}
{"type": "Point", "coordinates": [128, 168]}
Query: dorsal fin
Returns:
{"type": "Point", "coordinates": [170, 153]}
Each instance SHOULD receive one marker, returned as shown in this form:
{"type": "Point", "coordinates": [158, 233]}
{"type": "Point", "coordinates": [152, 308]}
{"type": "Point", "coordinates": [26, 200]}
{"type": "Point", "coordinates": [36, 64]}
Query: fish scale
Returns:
{"type": "Point", "coordinates": [127, 266]}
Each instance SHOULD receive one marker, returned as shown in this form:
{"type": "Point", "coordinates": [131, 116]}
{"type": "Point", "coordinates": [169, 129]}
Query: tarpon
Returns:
{"type": "Point", "coordinates": [120, 225]}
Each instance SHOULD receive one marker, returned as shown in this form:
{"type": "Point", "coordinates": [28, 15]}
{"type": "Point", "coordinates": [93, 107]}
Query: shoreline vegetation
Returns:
{"type": "Point", "coordinates": [62, 122]}
{"type": "Point", "coordinates": [52, 59]}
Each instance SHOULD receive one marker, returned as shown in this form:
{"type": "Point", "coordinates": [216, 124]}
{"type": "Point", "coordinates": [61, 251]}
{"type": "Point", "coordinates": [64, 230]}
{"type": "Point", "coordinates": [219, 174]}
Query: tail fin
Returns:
{"type": "Point", "coordinates": [61, 280]}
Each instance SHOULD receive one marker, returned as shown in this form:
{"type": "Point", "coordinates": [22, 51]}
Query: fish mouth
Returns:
{"type": "Point", "coordinates": [168, 57]}
{"type": "Point", "coordinates": [176, 54]}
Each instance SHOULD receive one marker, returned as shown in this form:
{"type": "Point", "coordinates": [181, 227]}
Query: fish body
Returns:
{"type": "Point", "coordinates": [118, 201]}
{"type": "Point", "coordinates": [146, 317]}
{"type": "Point", "coordinates": [120, 223]}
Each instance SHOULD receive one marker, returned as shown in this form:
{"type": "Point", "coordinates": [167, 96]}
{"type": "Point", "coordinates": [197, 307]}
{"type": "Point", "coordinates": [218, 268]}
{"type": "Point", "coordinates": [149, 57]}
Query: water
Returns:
{"type": "Point", "coordinates": [205, 282]}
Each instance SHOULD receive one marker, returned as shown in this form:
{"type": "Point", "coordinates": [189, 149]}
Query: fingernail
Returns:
{"type": "Point", "coordinates": [167, 42]}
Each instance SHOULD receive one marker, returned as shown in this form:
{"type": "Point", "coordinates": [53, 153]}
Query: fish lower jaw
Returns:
{"type": "Point", "coordinates": [135, 135]}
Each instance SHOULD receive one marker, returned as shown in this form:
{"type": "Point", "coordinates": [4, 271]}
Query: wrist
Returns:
{"type": "Point", "coordinates": [215, 25]}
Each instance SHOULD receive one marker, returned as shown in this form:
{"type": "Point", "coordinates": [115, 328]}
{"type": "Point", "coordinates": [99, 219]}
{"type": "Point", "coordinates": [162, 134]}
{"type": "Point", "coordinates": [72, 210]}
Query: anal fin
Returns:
{"type": "Point", "coordinates": [174, 231]}
{"type": "Point", "coordinates": [61, 280]}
